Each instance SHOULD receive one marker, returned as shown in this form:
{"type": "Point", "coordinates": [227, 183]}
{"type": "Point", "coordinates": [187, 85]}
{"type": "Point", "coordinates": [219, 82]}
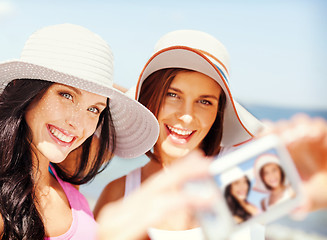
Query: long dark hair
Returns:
{"type": "Point", "coordinates": [20, 216]}
{"type": "Point", "coordinates": [153, 92]}
{"type": "Point", "coordinates": [234, 205]}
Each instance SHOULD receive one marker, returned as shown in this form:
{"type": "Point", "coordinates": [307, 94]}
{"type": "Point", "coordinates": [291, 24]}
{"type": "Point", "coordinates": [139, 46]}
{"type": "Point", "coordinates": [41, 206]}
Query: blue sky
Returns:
{"type": "Point", "coordinates": [278, 48]}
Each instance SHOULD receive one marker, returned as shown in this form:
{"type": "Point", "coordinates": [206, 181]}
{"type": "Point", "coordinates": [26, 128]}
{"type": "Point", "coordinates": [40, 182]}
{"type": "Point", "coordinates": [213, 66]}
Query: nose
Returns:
{"type": "Point", "coordinates": [74, 118]}
{"type": "Point", "coordinates": [186, 113]}
{"type": "Point", "coordinates": [187, 118]}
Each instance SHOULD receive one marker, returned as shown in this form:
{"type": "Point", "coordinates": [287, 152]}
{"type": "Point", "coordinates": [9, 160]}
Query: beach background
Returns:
{"type": "Point", "coordinates": [278, 57]}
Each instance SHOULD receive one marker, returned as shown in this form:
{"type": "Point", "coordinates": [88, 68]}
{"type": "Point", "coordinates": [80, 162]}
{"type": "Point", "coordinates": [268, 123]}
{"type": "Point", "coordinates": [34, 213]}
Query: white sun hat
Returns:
{"type": "Point", "coordinates": [72, 55]}
{"type": "Point", "coordinates": [199, 51]}
{"type": "Point", "coordinates": [231, 175]}
{"type": "Point", "coordinates": [261, 161]}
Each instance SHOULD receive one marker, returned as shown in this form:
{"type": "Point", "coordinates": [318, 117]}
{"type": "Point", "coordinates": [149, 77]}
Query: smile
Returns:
{"type": "Point", "coordinates": [180, 135]}
{"type": "Point", "coordinates": [181, 132]}
{"type": "Point", "coordinates": [60, 135]}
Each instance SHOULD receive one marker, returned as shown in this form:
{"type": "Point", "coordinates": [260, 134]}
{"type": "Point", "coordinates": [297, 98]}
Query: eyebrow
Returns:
{"type": "Point", "coordinates": [77, 91]}
{"type": "Point", "coordinates": [202, 96]}
{"type": "Point", "coordinates": [100, 103]}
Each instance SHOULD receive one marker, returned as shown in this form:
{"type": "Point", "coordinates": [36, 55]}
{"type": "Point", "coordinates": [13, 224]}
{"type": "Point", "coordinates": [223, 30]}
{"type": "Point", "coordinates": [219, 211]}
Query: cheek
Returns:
{"type": "Point", "coordinates": [36, 114]}
{"type": "Point", "coordinates": [165, 111]}
{"type": "Point", "coordinates": [50, 109]}
{"type": "Point", "coordinates": [265, 178]}
{"type": "Point", "coordinates": [234, 192]}
{"type": "Point", "coordinates": [278, 175]}
{"type": "Point", "coordinates": [233, 189]}
{"type": "Point", "coordinates": [246, 187]}
{"type": "Point", "coordinates": [91, 126]}
{"type": "Point", "coordinates": [207, 119]}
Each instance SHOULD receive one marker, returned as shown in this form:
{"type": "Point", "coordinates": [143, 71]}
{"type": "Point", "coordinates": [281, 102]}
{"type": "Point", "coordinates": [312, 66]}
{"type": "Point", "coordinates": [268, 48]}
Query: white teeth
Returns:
{"type": "Point", "coordinates": [60, 135]}
{"type": "Point", "coordinates": [180, 131]}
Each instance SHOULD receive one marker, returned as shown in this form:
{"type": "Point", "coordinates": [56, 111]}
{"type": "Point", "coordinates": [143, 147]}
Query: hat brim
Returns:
{"type": "Point", "coordinates": [136, 127]}
{"type": "Point", "coordinates": [239, 125]}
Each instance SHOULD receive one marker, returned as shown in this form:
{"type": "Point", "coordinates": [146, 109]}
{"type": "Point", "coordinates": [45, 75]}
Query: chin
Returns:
{"type": "Point", "coordinates": [52, 152]}
{"type": "Point", "coordinates": [174, 151]}
{"type": "Point", "coordinates": [274, 185]}
{"type": "Point", "coordinates": [55, 156]}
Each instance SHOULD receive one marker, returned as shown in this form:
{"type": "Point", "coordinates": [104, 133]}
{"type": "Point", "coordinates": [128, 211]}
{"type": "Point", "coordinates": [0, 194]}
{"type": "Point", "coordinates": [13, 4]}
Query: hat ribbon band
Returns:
{"type": "Point", "coordinates": [223, 74]}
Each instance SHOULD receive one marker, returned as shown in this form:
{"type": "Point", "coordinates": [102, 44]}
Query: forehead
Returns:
{"type": "Point", "coordinates": [191, 80]}
{"type": "Point", "coordinates": [270, 166]}
{"type": "Point", "coordinates": [241, 180]}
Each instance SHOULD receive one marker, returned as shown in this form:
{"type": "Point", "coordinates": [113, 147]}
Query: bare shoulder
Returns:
{"type": "Point", "coordinates": [1, 226]}
{"type": "Point", "coordinates": [113, 191]}
{"type": "Point", "coordinates": [263, 204]}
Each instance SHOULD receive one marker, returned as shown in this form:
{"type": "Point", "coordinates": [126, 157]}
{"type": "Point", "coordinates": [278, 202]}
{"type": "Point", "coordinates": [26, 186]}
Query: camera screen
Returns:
{"type": "Point", "coordinates": [256, 186]}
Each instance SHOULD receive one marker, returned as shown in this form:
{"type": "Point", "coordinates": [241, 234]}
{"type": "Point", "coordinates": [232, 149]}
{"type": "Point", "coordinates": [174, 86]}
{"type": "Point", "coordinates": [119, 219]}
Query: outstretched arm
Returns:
{"type": "Point", "coordinates": [158, 197]}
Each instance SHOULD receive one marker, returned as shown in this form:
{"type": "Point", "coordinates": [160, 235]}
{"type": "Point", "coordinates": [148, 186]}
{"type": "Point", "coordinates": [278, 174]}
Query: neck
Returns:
{"type": "Point", "coordinates": [278, 189]}
{"type": "Point", "coordinates": [242, 202]}
{"type": "Point", "coordinates": [42, 176]}
{"type": "Point", "coordinates": [164, 159]}
{"type": "Point", "coordinates": [167, 159]}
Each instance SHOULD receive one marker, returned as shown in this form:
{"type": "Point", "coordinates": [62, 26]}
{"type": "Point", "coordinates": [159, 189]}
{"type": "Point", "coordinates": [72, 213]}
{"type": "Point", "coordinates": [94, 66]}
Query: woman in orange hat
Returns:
{"type": "Point", "coordinates": [185, 84]}
{"type": "Point", "coordinates": [270, 178]}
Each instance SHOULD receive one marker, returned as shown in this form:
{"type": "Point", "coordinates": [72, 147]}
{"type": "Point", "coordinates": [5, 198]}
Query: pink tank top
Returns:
{"type": "Point", "coordinates": [83, 226]}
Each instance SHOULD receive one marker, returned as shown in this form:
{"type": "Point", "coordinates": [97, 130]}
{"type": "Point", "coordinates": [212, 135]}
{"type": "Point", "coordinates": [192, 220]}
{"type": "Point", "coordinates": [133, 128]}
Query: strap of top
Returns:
{"type": "Point", "coordinates": [133, 181]}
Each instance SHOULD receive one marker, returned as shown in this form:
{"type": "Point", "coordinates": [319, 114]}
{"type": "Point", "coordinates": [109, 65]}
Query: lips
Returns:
{"type": "Point", "coordinates": [274, 182]}
{"type": "Point", "coordinates": [179, 135]}
{"type": "Point", "coordinates": [61, 136]}
{"type": "Point", "coordinates": [241, 194]}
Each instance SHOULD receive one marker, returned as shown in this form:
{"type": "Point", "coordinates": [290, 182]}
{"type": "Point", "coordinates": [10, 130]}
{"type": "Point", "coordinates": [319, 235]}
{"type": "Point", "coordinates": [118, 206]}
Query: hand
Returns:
{"type": "Point", "coordinates": [160, 196]}
{"type": "Point", "coordinates": [306, 140]}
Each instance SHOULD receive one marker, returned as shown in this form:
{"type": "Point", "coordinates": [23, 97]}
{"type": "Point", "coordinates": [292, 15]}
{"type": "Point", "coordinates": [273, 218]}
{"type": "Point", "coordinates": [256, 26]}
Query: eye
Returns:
{"type": "Point", "coordinates": [66, 95]}
{"type": "Point", "coordinates": [94, 110]}
{"type": "Point", "coordinates": [205, 102]}
{"type": "Point", "coordinates": [173, 95]}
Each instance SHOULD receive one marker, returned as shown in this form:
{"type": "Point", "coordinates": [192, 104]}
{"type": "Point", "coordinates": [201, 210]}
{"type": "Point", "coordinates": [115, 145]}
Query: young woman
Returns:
{"type": "Point", "coordinates": [185, 85]}
{"type": "Point", "coordinates": [270, 178]}
{"type": "Point", "coordinates": [236, 187]}
{"type": "Point", "coordinates": [58, 97]}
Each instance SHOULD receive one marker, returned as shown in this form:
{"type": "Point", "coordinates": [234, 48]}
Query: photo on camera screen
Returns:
{"type": "Point", "coordinates": [258, 182]}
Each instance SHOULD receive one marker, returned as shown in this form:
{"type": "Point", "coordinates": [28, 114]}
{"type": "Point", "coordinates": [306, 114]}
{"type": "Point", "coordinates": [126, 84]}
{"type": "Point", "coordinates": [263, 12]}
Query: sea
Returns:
{"type": "Point", "coordinates": [311, 227]}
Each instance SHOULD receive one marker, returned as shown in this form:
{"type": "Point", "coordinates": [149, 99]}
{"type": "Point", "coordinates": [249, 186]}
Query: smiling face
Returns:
{"type": "Point", "coordinates": [188, 111]}
{"type": "Point", "coordinates": [240, 188]}
{"type": "Point", "coordinates": [62, 120]}
{"type": "Point", "coordinates": [272, 175]}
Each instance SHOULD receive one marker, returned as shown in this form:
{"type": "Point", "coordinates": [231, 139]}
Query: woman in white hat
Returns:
{"type": "Point", "coordinates": [271, 179]}
{"type": "Point", "coordinates": [57, 97]}
{"type": "Point", "coordinates": [237, 185]}
{"type": "Point", "coordinates": [185, 84]}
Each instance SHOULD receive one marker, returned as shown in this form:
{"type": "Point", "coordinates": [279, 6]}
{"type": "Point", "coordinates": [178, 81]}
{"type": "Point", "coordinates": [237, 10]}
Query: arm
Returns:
{"type": "Point", "coordinates": [111, 193]}
{"type": "Point", "coordinates": [158, 197]}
